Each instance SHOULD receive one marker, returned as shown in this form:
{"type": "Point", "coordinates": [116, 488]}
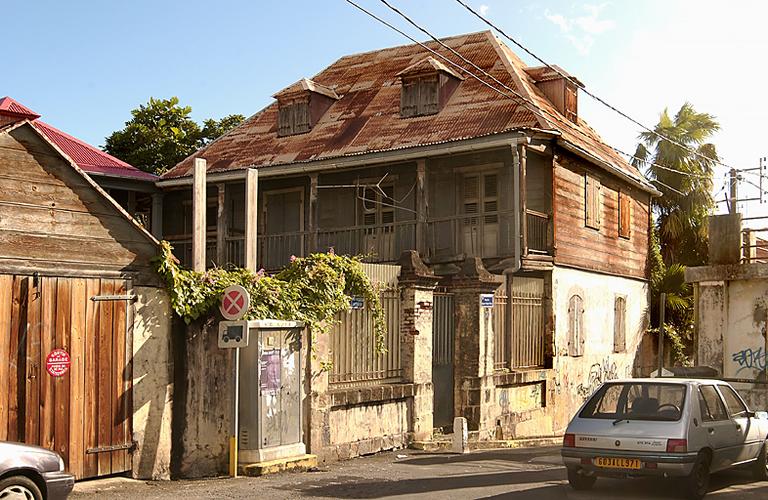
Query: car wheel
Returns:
{"type": "Point", "coordinates": [19, 487]}
{"type": "Point", "coordinates": [580, 481]}
{"type": "Point", "coordinates": [698, 480]}
{"type": "Point", "coordinates": [760, 468]}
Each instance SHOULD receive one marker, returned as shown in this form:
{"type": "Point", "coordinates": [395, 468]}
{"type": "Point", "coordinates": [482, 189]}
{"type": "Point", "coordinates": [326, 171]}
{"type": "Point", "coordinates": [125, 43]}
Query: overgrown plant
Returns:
{"type": "Point", "coordinates": [312, 289]}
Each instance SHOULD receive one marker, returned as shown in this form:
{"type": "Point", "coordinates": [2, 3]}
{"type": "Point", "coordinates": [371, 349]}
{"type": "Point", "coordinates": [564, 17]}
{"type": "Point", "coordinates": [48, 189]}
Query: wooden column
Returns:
{"type": "Point", "coordinates": [222, 223]}
{"type": "Point", "coordinates": [421, 205]}
{"type": "Point", "coordinates": [198, 215]}
{"type": "Point", "coordinates": [313, 214]}
{"type": "Point", "coordinates": [523, 202]}
{"type": "Point", "coordinates": [157, 215]}
{"type": "Point", "coordinates": [251, 217]}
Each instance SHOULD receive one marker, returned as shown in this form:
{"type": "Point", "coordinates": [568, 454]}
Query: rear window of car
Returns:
{"type": "Point", "coordinates": [636, 401]}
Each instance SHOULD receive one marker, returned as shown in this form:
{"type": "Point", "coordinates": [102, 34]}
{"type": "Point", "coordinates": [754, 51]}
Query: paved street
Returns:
{"type": "Point", "coordinates": [518, 474]}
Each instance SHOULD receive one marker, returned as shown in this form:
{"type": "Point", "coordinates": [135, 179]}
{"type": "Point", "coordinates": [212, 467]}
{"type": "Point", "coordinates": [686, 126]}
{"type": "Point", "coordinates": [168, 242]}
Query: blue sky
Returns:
{"type": "Point", "coordinates": [84, 64]}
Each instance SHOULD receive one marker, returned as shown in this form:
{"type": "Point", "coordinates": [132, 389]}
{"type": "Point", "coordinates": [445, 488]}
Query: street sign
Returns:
{"type": "Point", "coordinates": [356, 303]}
{"type": "Point", "coordinates": [233, 334]}
{"type": "Point", "coordinates": [57, 362]}
{"type": "Point", "coordinates": [234, 302]}
{"type": "Point", "coordinates": [486, 300]}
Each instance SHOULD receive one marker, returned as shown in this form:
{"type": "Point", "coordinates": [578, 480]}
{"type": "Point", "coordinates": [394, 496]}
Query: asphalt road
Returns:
{"type": "Point", "coordinates": [525, 474]}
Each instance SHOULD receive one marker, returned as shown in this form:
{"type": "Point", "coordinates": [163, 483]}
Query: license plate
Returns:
{"type": "Point", "coordinates": [618, 463]}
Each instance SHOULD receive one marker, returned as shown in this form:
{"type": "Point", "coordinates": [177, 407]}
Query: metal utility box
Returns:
{"type": "Point", "coordinates": [270, 392]}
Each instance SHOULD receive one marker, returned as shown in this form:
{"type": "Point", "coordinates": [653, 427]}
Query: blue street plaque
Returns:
{"type": "Point", "coordinates": [486, 300]}
{"type": "Point", "coordinates": [356, 303]}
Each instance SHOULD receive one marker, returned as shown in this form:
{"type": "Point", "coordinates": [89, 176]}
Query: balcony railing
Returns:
{"type": "Point", "coordinates": [537, 225]}
{"type": "Point", "coordinates": [486, 235]}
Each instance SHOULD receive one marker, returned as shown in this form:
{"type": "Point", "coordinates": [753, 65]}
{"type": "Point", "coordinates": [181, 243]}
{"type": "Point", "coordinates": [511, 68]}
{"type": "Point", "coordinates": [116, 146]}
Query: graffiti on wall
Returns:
{"type": "Point", "coordinates": [598, 373]}
{"type": "Point", "coordinates": [750, 359]}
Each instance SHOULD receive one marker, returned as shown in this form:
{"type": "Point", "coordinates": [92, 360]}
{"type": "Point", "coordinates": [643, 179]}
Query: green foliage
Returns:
{"type": "Point", "coordinates": [161, 133]}
{"type": "Point", "coordinates": [687, 201]}
{"type": "Point", "coordinates": [311, 289]}
{"type": "Point", "coordinates": [677, 342]}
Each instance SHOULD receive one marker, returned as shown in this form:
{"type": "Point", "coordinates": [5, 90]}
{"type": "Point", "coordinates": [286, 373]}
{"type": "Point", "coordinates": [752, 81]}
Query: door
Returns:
{"type": "Point", "coordinates": [719, 427]}
{"type": "Point", "coordinates": [480, 224]}
{"type": "Point", "coordinates": [442, 359]}
{"type": "Point", "coordinates": [283, 227]}
{"type": "Point", "coordinates": [378, 218]}
{"type": "Point", "coordinates": [83, 414]}
{"type": "Point", "coordinates": [747, 440]}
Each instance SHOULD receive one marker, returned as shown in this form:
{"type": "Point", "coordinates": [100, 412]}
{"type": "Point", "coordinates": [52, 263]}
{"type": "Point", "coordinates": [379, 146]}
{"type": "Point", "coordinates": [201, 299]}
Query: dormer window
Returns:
{"type": "Point", "coordinates": [301, 105]}
{"type": "Point", "coordinates": [426, 87]}
{"type": "Point", "coordinates": [562, 92]}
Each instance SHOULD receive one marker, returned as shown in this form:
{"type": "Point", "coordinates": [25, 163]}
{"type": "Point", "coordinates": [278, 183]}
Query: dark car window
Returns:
{"type": "Point", "coordinates": [712, 407]}
{"type": "Point", "coordinates": [735, 405]}
{"type": "Point", "coordinates": [636, 401]}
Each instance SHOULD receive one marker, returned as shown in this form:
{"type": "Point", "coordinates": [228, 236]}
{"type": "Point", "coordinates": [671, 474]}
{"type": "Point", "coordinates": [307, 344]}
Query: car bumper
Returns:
{"type": "Point", "coordinates": [58, 484]}
{"type": "Point", "coordinates": [666, 464]}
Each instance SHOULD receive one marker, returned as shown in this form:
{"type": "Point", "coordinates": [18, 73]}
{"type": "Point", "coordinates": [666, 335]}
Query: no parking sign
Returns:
{"type": "Point", "coordinates": [234, 302]}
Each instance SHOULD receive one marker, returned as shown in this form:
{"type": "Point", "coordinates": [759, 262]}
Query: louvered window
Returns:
{"type": "Point", "coordinates": [419, 96]}
{"type": "Point", "coordinates": [293, 117]}
{"type": "Point", "coordinates": [377, 208]}
{"type": "Point", "coordinates": [619, 324]}
{"type": "Point", "coordinates": [575, 326]}
{"type": "Point", "coordinates": [490, 199]}
{"type": "Point", "coordinates": [625, 214]}
{"type": "Point", "coordinates": [592, 201]}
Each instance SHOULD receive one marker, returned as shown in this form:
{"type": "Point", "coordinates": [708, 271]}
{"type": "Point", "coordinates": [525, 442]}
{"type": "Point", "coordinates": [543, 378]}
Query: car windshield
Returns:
{"type": "Point", "coordinates": [636, 401]}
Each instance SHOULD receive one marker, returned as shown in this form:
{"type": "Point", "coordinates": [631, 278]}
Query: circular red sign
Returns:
{"type": "Point", "coordinates": [57, 362]}
{"type": "Point", "coordinates": [234, 302]}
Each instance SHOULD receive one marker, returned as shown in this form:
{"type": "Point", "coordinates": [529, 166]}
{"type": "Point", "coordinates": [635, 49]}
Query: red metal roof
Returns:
{"type": "Point", "coordinates": [87, 157]}
{"type": "Point", "coordinates": [367, 117]}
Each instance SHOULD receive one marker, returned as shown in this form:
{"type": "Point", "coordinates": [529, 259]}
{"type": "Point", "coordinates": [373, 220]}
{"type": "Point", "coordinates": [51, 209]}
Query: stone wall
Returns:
{"type": "Point", "coordinates": [152, 397]}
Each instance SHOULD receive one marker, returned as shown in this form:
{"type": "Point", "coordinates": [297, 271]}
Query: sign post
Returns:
{"type": "Point", "coordinates": [234, 305]}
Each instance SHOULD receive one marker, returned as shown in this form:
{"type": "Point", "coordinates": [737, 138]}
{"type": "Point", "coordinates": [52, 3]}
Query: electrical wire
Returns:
{"type": "Point", "coordinates": [532, 106]}
{"type": "Point", "coordinates": [590, 94]}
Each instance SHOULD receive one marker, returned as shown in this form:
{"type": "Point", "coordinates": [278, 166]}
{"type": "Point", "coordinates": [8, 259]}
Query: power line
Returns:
{"type": "Point", "coordinates": [594, 96]}
{"type": "Point", "coordinates": [534, 108]}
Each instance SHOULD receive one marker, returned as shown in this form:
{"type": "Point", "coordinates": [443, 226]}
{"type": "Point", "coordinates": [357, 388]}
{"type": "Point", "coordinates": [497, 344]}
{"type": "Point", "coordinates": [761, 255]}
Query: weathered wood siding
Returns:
{"type": "Point", "coordinates": [87, 409]}
{"type": "Point", "coordinates": [600, 249]}
{"type": "Point", "coordinates": [53, 219]}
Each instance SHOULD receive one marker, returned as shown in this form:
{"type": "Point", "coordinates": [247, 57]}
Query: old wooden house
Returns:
{"type": "Point", "coordinates": [85, 364]}
{"type": "Point", "coordinates": [403, 157]}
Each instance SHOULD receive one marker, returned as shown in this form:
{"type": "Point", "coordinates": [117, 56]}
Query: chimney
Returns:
{"type": "Point", "coordinates": [562, 92]}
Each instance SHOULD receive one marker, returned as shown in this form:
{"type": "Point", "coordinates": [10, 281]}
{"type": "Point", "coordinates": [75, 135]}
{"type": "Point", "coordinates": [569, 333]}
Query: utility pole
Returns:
{"type": "Point", "coordinates": [734, 191]}
{"type": "Point", "coordinates": [662, 305]}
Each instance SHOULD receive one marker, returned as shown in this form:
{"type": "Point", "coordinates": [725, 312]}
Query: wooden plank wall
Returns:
{"type": "Point", "coordinates": [49, 215]}
{"type": "Point", "coordinates": [600, 249]}
{"type": "Point", "coordinates": [89, 406]}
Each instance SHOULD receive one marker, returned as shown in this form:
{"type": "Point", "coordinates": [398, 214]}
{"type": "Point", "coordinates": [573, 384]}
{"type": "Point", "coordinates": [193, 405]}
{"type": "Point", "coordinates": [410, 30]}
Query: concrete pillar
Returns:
{"type": "Point", "coordinates": [199, 203]}
{"type": "Point", "coordinates": [317, 404]}
{"type": "Point", "coordinates": [711, 318]}
{"type": "Point", "coordinates": [251, 217]}
{"type": "Point", "coordinates": [473, 354]}
{"type": "Point", "coordinates": [417, 283]}
{"type": "Point", "coordinates": [313, 215]}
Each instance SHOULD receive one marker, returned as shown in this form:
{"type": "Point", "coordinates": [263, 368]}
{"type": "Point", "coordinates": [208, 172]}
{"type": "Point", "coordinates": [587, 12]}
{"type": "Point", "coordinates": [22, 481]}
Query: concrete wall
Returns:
{"type": "Point", "coordinates": [152, 384]}
{"type": "Point", "coordinates": [731, 332]}
{"type": "Point", "coordinates": [542, 402]}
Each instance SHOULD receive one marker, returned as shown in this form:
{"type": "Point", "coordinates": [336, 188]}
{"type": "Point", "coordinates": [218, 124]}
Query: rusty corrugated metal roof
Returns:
{"type": "Point", "coordinates": [367, 116]}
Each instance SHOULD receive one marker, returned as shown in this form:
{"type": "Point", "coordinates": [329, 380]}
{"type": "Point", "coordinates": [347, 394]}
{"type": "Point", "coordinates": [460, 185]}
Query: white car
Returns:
{"type": "Point", "coordinates": [664, 427]}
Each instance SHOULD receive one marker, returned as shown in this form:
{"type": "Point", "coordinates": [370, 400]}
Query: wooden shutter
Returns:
{"type": "Point", "coordinates": [575, 326]}
{"type": "Point", "coordinates": [592, 204]}
{"type": "Point", "coordinates": [625, 215]}
{"type": "Point", "coordinates": [300, 117]}
{"type": "Point", "coordinates": [409, 98]}
{"type": "Point", "coordinates": [490, 198]}
{"type": "Point", "coordinates": [428, 103]}
{"type": "Point", "coordinates": [285, 120]}
{"type": "Point", "coordinates": [471, 197]}
{"type": "Point", "coordinates": [619, 324]}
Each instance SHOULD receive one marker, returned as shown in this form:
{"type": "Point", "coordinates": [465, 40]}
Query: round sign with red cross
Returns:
{"type": "Point", "coordinates": [57, 362]}
{"type": "Point", "coordinates": [234, 302]}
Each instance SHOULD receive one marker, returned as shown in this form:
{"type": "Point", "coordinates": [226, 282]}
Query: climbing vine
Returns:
{"type": "Point", "coordinates": [312, 289]}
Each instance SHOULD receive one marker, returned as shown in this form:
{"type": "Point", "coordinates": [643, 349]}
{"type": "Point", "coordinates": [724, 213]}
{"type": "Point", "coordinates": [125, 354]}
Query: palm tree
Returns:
{"type": "Point", "coordinates": [686, 201]}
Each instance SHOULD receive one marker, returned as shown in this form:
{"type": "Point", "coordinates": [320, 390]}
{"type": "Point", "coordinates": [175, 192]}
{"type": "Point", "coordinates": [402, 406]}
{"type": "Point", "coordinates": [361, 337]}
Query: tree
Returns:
{"type": "Point", "coordinates": [686, 201]}
{"type": "Point", "coordinates": [161, 133]}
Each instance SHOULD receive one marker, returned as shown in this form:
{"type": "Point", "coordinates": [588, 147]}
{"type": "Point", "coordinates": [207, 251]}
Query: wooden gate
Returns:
{"type": "Point", "coordinates": [443, 332]}
{"type": "Point", "coordinates": [84, 415]}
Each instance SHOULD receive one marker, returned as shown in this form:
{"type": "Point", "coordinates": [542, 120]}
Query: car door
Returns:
{"type": "Point", "coordinates": [720, 430]}
{"type": "Point", "coordinates": [746, 432]}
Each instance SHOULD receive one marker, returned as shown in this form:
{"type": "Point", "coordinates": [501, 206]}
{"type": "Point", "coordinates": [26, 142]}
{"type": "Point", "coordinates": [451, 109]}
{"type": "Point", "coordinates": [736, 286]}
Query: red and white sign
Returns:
{"type": "Point", "coordinates": [57, 362]}
{"type": "Point", "coordinates": [234, 302]}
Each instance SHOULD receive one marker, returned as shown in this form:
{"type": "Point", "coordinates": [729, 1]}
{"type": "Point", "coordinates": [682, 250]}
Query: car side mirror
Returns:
{"type": "Point", "coordinates": [763, 415]}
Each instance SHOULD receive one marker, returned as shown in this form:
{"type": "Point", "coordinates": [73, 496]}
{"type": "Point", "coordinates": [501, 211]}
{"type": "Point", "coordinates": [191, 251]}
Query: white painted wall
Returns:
{"type": "Point", "coordinates": [575, 378]}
